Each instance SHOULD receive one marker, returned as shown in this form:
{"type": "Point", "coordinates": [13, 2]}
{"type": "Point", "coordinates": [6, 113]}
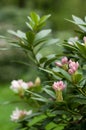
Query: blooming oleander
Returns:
{"type": "Point", "coordinates": [19, 114]}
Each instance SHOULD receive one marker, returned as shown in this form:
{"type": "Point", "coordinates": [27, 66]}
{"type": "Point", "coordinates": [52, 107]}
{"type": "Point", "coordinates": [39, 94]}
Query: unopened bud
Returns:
{"type": "Point", "coordinates": [37, 81]}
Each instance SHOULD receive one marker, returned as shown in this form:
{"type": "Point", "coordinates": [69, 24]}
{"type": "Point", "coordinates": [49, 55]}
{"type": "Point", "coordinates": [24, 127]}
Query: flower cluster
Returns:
{"type": "Point", "coordinates": [73, 66]}
{"type": "Point", "coordinates": [69, 65]}
{"type": "Point", "coordinates": [19, 114]}
{"type": "Point", "coordinates": [19, 86]}
{"type": "Point", "coordinates": [59, 86]}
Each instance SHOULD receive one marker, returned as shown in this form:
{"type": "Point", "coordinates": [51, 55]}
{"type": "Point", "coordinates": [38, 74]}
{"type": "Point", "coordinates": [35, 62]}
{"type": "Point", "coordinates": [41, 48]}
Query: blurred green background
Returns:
{"type": "Point", "coordinates": [13, 14]}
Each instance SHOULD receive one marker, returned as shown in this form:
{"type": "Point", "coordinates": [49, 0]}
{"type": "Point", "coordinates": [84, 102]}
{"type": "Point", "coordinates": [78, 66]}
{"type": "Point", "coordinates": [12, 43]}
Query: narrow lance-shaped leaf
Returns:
{"type": "Point", "coordinates": [30, 27]}
{"type": "Point", "coordinates": [35, 17]}
{"type": "Point", "coordinates": [43, 19]}
{"type": "Point", "coordinates": [37, 119]}
{"type": "Point", "coordinates": [42, 34]}
{"type": "Point", "coordinates": [30, 37]}
{"type": "Point", "coordinates": [49, 92]}
{"type": "Point", "coordinates": [18, 34]}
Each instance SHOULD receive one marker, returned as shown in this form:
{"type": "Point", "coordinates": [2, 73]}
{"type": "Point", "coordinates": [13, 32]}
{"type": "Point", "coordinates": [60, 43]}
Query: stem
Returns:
{"type": "Point", "coordinates": [59, 97]}
{"type": "Point", "coordinates": [36, 61]}
{"type": "Point", "coordinates": [29, 56]}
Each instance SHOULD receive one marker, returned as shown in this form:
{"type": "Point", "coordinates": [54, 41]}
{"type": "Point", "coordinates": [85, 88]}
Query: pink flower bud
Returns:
{"type": "Point", "coordinates": [64, 60]}
{"type": "Point", "coordinates": [84, 39]}
{"type": "Point", "coordinates": [37, 82]}
{"type": "Point", "coordinates": [58, 86]}
{"type": "Point", "coordinates": [30, 84]}
{"type": "Point", "coordinates": [58, 64]}
{"type": "Point", "coordinates": [70, 71]}
{"type": "Point", "coordinates": [73, 66]}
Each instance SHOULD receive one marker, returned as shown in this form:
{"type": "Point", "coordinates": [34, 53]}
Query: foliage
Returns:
{"type": "Point", "coordinates": [60, 100]}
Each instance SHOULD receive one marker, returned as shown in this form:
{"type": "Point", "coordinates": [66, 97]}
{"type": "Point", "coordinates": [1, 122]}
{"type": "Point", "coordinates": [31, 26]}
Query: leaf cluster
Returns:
{"type": "Point", "coordinates": [52, 115]}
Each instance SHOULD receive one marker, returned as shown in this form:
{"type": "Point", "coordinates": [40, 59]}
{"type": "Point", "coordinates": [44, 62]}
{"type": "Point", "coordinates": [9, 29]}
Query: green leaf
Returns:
{"type": "Point", "coordinates": [42, 34]}
{"type": "Point", "coordinates": [78, 20]}
{"type": "Point", "coordinates": [79, 99]}
{"type": "Point", "coordinates": [70, 47]}
{"type": "Point", "coordinates": [37, 96]}
{"type": "Point", "coordinates": [51, 126]}
{"type": "Point", "coordinates": [50, 60]}
{"type": "Point", "coordinates": [4, 37]}
{"type": "Point", "coordinates": [59, 127]}
{"type": "Point", "coordinates": [82, 48]}
{"type": "Point", "coordinates": [3, 49]}
{"type": "Point", "coordinates": [30, 37]}
{"type": "Point", "coordinates": [51, 42]}
{"type": "Point", "coordinates": [40, 99]}
{"type": "Point", "coordinates": [56, 75]}
{"type": "Point", "coordinates": [77, 77]}
{"type": "Point", "coordinates": [44, 18]}
{"type": "Point", "coordinates": [45, 43]}
{"type": "Point", "coordinates": [18, 34]}
{"type": "Point", "coordinates": [42, 60]}
{"type": "Point", "coordinates": [63, 72]}
{"type": "Point", "coordinates": [49, 92]}
{"type": "Point", "coordinates": [30, 27]}
{"type": "Point", "coordinates": [37, 119]}
{"type": "Point", "coordinates": [35, 17]}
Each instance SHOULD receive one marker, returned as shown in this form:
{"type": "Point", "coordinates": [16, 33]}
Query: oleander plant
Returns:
{"type": "Point", "coordinates": [58, 101]}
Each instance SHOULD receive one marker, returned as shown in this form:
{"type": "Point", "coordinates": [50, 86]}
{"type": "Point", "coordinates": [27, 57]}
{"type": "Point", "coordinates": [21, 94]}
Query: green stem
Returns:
{"type": "Point", "coordinates": [36, 61]}
{"type": "Point", "coordinates": [59, 97]}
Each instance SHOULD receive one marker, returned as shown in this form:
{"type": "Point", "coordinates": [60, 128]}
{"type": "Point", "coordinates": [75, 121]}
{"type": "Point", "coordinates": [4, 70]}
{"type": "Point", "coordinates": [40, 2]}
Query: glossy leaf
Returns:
{"type": "Point", "coordinates": [43, 19]}
{"type": "Point", "coordinates": [42, 34]}
{"type": "Point", "coordinates": [37, 119]}
{"type": "Point", "coordinates": [18, 34]}
{"type": "Point", "coordinates": [49, 92]}
{"type": "Point", "coordinates": [63, 72]}
{"type": "Point", "coordinates": [35, 17]}
{"type": "Point", "coordinates": [30, 37]}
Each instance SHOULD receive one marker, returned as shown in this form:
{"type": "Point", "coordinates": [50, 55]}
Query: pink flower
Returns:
{"type": "Point", "coordinates": [70, 71]}
{"type": "Point", "coordinates": [84, 38]}
{"type": "Point", "coordinates": [58, 86]}
{"type": "Point", "coordinates": [19, 114]}
{"type": "Point", "coordinates": [58, 64]}
{"type": "Point", "coordinates": [18, 85]}
{"type": "Point", "coordinates": [64, 60]}
{"type": "Point", "coordinates": [73, 66]}
{"type": "Point", "coordinates": [30, 84]}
